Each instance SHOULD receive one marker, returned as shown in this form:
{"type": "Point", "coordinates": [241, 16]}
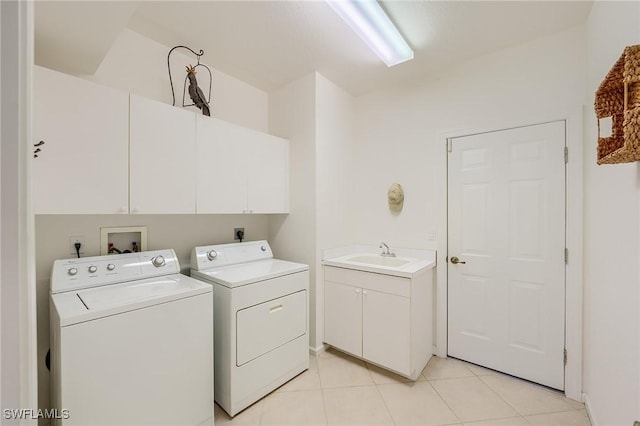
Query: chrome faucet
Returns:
{"type": "Point", "coordinates": [385, 250]}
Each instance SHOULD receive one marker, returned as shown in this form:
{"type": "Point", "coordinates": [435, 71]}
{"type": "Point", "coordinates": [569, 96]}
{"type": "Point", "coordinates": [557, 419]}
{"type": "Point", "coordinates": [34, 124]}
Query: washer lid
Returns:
{"type": "Point", "coordinates": [84, 305]}
{"type": "Point", "coordinates": [250, 272]}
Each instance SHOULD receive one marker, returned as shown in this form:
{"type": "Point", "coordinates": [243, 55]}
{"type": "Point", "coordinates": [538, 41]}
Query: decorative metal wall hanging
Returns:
{"type": "Point", "coordinates": [195, 92]}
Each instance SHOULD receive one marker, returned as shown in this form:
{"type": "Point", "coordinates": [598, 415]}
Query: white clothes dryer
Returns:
{"type": "Point", "coordinates": [261, 319]}
{"type": "Point", "coordinates": [131, 342]}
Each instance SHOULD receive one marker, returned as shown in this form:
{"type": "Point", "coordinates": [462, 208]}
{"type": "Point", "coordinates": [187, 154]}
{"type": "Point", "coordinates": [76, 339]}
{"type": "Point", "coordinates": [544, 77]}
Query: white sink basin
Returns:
{"type": "Point", "coordinates": [393, 262]}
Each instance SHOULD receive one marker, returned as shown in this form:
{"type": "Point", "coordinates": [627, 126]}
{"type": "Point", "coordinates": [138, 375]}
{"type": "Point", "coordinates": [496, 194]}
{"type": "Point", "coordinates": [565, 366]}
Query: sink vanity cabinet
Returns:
{"type": "Point", "coordinates": [380, 317]}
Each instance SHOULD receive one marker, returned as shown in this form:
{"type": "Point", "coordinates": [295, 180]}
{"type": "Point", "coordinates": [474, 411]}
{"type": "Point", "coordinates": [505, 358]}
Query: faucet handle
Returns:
{"type": "Point", "coordinates": [385, 248]}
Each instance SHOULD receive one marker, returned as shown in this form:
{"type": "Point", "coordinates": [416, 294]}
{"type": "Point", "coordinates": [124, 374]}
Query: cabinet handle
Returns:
{"type": "Point", "coordinates": [275, 308]}
{"type": "Point", "coordinates": [357, 291]}
{"type": "Point", "coordinates": [364, 292]}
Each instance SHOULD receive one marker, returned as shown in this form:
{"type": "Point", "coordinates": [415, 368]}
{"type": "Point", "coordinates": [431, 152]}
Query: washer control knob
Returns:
{"type": "Point", "coordinates": [93, 269]}
{"type": "Point", "coordinates": [158, 261]}
{"type": "Point", "coordinates": [72, 271]}
{"type": "Point", "coordinates": [111, 267]}
{"type": "Point", "coordinates": [211, 255]}
{"type": "Point", "coordinates": [263, 248]}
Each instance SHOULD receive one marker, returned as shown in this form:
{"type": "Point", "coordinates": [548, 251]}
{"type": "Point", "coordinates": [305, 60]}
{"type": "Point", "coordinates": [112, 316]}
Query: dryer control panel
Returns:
{"type": "Point", "coordinates": [86, 272]}
{"type": "Point", "coordinates": [215, 256]}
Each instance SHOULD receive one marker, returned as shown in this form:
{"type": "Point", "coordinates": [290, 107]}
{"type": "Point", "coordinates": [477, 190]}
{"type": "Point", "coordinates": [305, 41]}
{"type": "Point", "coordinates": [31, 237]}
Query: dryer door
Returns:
{"type": "Point", "coordinates": [264, 327]}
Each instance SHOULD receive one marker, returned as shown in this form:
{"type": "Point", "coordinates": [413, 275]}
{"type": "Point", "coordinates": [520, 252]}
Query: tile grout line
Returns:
{"type": "Point", "coordinates": [384, 401]}
{"type": "Point", "coordinates": [477, 377]}
{"type": "Point", "coordinates": [444, 401]}
{"type": "Point", "coordinates": [534, 386]}
{"type": "Point", "coordinates": [324, 403]}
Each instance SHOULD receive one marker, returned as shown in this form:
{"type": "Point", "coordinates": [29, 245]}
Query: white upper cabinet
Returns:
{"type": "Point", "coordinates": [267, 174]}
{"type": "Point", "coordinates": [221, 167]}
{"type": "Point", "coordinates": [107, 152]}
{"type": "Point", "coordinates": [240, 170]}
{"type": "Point", "coordinates": [162, 158]}
{"type": "Point", "coordinates": [82, 167]}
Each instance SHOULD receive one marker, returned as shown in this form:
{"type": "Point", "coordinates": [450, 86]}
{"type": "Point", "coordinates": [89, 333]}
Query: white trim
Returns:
{"type": "Point", "coordinates": [317, 350]}
{"type": "Point", "coordinates": [574, 236]}
{"type": "Point", "coordinates": [589, 409]}
{"type": "Point", "coordinates": [574, 270]}
{"type": "Point", "coordinates": [28, 296]}
{"type": "Point", "coordinates": [18, 281]}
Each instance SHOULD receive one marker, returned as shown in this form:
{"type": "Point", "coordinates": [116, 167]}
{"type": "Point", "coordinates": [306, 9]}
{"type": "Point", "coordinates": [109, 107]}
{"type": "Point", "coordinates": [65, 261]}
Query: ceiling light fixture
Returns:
{"type": "Point", "coordinates": [372, 24]}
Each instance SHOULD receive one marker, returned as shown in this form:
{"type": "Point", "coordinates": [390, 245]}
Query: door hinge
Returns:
{"type": "Point", "coordinates": [564, 357]}
{"type": "Point", "coordinates": [566, 256]}
{"type": "Point", "coordinates": [566, 155]}
{"type": "Point", "coordinates": [449, 145]}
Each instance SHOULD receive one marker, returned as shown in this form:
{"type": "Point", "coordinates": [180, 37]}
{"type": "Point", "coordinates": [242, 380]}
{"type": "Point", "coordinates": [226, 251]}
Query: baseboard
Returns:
{"type": "Point", "coordinates": [318, 350]}
{"type": "Point", "coordinates": [589, 408]}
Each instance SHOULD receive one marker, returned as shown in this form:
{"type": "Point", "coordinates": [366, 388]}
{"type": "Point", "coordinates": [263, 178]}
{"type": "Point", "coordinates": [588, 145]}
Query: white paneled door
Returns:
{"type": "Point", "coordinates": [506, 260]}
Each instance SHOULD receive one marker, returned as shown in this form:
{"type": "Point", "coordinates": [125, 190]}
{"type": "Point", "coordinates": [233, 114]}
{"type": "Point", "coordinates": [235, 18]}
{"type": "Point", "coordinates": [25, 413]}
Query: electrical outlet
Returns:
{"type": "Point", "coordinates": [72, 245]}
{"type": "Point", "coordinates": [235, 234]}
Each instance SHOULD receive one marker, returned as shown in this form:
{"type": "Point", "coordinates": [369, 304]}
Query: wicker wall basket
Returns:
{"type": "Point", "coordinates": [618, 97]}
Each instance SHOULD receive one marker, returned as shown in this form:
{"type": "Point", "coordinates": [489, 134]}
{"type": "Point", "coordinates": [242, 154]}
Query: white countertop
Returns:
{"type": "Point", "coordinates": [368, 259]}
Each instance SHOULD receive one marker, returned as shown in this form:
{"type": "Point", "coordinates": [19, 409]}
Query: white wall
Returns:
{"type": "Point", "coordinates": [292, 116]}
{"type": "Point", "coordinates": [316, 116]}
{"type": "Point", "coordinates": [334, 122]}
{"type": "Point", "coordinates": [17, 282]}
{"type": "Point", "coordinates": [612, 241]}
{"type": "Point", "coordinates": [137, 64]}
{"type": "Point", "coordinates": [398, 132]}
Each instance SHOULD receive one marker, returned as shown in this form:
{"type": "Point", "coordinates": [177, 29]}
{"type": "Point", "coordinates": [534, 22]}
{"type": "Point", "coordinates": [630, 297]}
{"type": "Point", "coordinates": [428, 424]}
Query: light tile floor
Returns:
{"type": "Point", "coordinates": [342, 390]}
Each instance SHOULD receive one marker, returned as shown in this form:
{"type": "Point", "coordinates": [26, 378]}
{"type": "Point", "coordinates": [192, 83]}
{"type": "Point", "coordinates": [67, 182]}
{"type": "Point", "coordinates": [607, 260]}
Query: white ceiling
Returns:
{"type": "Point", "coordinates": [270, 43]}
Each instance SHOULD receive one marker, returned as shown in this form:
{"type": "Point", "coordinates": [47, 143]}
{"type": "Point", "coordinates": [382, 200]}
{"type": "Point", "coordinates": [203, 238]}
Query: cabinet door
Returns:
{"type": "Point", "coordinates": [386, 330]}
{"type": "Point", "coordinates": [343, 317]}
{"type": "Point", "coordinates": [268, 173]}
{"type": "Point", "coordinates": [83, 165]}
{"type": "Point", "coordinates": [163, 158]}
{"type": "Point", "coordinates": [221, 167]}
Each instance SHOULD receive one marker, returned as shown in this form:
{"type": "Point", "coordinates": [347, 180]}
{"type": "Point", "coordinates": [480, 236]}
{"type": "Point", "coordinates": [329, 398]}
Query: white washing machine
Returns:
{"type": "Point", "coordinates": [261, 319]}
{"type": "Point", "coordinates": [131, 342]}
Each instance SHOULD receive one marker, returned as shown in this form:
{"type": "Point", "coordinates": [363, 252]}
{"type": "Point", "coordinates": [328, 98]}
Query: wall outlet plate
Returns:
{"type": "Point", "coordinates": [235, 234]}
{"type": "Point", "coordinates": [72, 245]}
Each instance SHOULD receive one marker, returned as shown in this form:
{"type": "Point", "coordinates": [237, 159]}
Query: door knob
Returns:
{"type": "Point", "coordinates": [455, 260]}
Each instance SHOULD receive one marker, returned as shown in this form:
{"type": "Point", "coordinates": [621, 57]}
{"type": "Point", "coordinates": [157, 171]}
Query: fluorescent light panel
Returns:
{"type": "Point", "coordinates": [369, 21]}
